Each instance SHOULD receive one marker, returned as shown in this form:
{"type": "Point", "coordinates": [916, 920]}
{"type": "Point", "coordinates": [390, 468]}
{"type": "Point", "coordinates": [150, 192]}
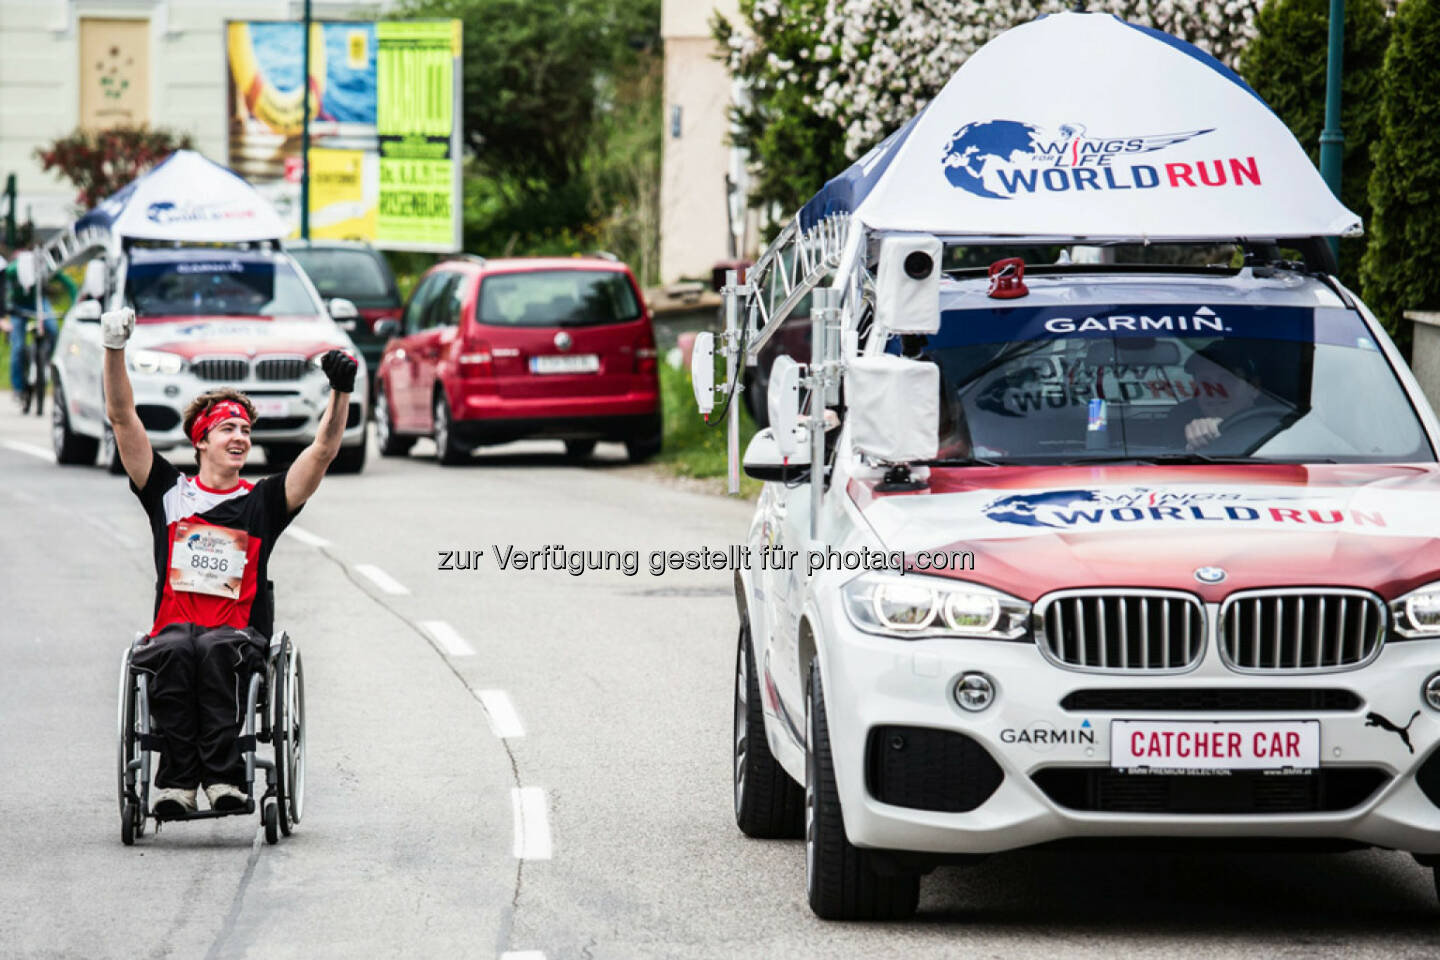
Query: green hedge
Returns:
{"type": "Point", "coordinates": [1399, 270]}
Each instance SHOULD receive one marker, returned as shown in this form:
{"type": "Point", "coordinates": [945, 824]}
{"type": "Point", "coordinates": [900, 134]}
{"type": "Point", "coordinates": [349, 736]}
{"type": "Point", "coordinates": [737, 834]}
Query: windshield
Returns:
{"type": "Point", "coordinates": [218, 286]}
{"type": "Point", "coordinates": [1051, 385]}
{"type": "Point", "coordinates": [557, 298]}
{"type": "Point", "coordinates": [357, 275]}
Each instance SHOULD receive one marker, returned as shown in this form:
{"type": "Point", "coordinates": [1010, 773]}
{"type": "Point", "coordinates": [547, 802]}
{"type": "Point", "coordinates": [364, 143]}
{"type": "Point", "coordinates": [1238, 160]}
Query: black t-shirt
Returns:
{"type": "Point", "coordinates": [212, 547]}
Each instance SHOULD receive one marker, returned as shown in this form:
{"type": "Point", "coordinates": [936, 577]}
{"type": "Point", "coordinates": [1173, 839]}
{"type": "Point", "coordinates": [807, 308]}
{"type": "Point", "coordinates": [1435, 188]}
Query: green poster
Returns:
{"type": "Point", "coordinates": [416, 123]}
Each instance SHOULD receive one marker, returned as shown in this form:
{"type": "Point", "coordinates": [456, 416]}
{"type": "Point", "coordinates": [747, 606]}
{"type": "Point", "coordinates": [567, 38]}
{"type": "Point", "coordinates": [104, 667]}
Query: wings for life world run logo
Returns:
{"type": "Point", "coordinates": [1001, 159]}
{"type": "Point", "coordinates": [1072, 509]}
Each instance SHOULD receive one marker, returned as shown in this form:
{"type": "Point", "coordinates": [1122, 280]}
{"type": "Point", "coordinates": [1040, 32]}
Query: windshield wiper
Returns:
{"type": "Point", "coordinates": [1164, 458]}
{"type": "Point", "coordinates": [961, 462]}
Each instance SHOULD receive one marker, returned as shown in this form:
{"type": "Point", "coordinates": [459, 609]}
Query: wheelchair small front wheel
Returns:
{"type": "Point", "coordinates": [272, 822]}
{"type": "Point", "coordinates": [127, 824]}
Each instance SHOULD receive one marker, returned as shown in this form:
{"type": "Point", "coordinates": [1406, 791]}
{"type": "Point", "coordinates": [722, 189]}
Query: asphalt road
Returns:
{"type": "Point", "coordinates": [518, 762]}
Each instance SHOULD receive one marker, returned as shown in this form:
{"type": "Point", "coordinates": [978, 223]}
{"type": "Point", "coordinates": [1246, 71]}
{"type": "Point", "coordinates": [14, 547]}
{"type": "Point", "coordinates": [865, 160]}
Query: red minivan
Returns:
{"type": "Point", "coordinates": [491, 351]}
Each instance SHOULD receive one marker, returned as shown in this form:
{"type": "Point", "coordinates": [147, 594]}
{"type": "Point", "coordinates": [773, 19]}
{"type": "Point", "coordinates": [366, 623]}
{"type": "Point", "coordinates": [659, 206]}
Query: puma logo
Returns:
{"type": "Point", "coordinates": [1375, 720]}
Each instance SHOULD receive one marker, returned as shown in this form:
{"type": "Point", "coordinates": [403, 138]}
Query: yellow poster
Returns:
{"type": "Point", "coordinates": [344, 194]}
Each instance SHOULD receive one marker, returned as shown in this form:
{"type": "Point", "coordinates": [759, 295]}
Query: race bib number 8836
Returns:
{"type": "Point", "coordinates": [208, 559]}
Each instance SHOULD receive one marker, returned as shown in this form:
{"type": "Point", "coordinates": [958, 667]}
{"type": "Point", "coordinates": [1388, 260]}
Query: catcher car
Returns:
{"type": "Point", "coordinates": [194, 251]}
{"type": "Point", "coordinates": [1121, 527]}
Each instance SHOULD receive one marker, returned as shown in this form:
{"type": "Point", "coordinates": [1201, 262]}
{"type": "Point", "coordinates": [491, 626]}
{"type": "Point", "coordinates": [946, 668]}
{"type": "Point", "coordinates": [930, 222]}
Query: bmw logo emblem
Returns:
{"type": "Point", "coordinates": [1209, 574]}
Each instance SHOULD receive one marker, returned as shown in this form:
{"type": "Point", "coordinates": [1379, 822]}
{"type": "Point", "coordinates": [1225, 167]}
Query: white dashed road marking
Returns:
{"type": "Point", "coordinates": [29, 449]}
{"type": "Point", "coordinates": [523, 955]}
{"type": "Point", "coordinates": [532, 823]}
{"type": "Point", "coordinates": [451, 642]}
{"type": "Point", "coordinates": [305, 536]}
{"type": "Point", "coordinates": [381, 579]}
{"type": "Point", "coordinates": [500, 711]}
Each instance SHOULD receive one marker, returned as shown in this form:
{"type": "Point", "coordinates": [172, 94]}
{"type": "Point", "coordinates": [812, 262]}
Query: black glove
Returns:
{"type": "Point", "coordinates": [341, 368]}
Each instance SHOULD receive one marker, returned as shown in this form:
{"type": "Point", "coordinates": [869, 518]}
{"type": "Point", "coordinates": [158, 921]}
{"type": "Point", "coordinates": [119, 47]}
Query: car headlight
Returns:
{"type": "Point", "coordinates": [910, 606]}
{"type": "Point", "coordinates": [1417, 614]}
{"type": "Point", "coordinates": [155, 361]}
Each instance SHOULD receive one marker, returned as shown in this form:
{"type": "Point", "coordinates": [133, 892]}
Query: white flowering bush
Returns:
{"type": "Point", "coordinates": [854, 70]}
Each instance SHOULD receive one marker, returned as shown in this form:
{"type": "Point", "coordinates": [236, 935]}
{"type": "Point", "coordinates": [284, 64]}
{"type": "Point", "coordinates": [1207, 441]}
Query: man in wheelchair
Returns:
{"type": "Point", "coordinates": [213, 534]}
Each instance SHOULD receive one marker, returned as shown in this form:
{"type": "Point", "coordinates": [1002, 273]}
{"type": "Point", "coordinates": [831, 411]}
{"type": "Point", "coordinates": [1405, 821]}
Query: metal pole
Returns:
{"type": "Point", "coordinates": [1332, 138]}
{"type": "Point", "coordinates": [305, 134]}
{"type": "Point", "coordinates": [732, 367]}
{"type": "Point", "coordinates": [822, 310]}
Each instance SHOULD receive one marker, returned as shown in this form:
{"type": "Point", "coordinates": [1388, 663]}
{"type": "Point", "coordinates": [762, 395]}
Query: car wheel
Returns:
{"type": "Point", "coordinates": [350, 459]}
{"type": "Point", "coordinates": [768, 803]}
{"type": "Point", "coordinates": [642, 449]}
{"type": "Point", "coordinates": [755, 399]}
{"type": "Point", "coordinates": [447, 451]}
{"type": "Point", "coordinates": [840, 880]}
{"type": "Point", "coordinates": [281, 454]}
{"type": "Point", "coordinates": [70, 447]}
{"type": "Point", "coordinates": [579, 449]}
{"type": "Point", "coordinates": [110, 454]}
{"type": "Point", "coordinates": [390, 443]}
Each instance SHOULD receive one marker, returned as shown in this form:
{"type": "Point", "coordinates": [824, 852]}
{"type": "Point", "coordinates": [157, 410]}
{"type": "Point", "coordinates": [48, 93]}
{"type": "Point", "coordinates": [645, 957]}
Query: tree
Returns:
{"type": "Point", "coordinates": [1285, 64]}
{"type": "Point", "coordinates": [534, 75]}
{"type": "Point", "coordinates": [101, 162]}
{"type": "Point", "coordinates": [1398, 270]}
{"type": "Point", "coordinates": [830, 78]}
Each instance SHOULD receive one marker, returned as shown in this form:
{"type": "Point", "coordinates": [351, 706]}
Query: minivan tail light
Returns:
{"type": "Point", "coordinates": [646, 354]}
{"type": "Point", "coordinates": [476, 360]}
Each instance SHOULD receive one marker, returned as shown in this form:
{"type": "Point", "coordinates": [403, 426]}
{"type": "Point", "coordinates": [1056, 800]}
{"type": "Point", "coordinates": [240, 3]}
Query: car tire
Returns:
{"type": "Point", "coordinates": [110, 453]}
{"type": "Point", "coordinates": [579, 449]}
{"type": "Point", "coordinates": [769, 805]}
{"type": "Point", "coordinates": [350, 459]}
{"type": "Point", "coordinates": [642, 448]}
{"type": "Point", "coordinates": [70, 447]}
{"type": "Point", "coordinates": [390, 443]}
{"type": "Point", "coordinates": [840, 880]}
{"type": "Point", "coordinates": [447, 451]}
{"type": "Point", "coordinates": [755, 399]}
{"type": "Point", "coordinates": [281, 454]}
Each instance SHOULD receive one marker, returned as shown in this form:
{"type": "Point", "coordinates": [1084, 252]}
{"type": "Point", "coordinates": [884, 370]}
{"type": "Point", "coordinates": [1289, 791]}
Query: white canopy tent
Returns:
{"type": "Point", "coordinates": [1083, 125]}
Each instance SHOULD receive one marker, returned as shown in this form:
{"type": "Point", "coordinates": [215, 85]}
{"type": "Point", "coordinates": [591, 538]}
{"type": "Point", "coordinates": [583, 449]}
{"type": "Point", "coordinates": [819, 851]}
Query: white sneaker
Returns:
{"type": "Point", "coordinates": [224, 796]}
{"type": "Point", "coordinates": [172, 801]}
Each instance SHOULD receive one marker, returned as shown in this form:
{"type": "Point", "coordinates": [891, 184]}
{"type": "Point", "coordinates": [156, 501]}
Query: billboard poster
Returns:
{"type": "Point", "coordinates": [362, 105]}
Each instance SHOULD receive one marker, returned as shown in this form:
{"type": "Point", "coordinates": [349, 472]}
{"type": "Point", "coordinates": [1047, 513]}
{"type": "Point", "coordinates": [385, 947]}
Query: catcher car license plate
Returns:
{"type": "Point", "coordinates": [271, 406]}
{"type": "Point", "coordinates": [579, 363]}
{"type": "Point", "coordinates": [1215, 745]}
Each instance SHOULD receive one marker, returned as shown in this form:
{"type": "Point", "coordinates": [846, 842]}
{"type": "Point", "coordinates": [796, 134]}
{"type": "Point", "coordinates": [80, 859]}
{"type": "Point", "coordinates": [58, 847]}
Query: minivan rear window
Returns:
{"type": "Point", "coordinates": [557, 298]}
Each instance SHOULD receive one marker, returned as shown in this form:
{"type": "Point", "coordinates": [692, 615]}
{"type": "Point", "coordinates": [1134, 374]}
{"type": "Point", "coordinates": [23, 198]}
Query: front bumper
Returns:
{"type": "Point", "coordinates": [289, 411]}
{"type": "Point", "coordinates": [883, 681]}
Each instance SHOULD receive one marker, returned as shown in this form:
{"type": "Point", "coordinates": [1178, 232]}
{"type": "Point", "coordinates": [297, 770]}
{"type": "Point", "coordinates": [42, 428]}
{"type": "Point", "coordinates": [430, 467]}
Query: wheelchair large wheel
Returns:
{"type": "Point", "coordinates": [131, 800]}
{"type": "Point", "coordinates": [289, 734]}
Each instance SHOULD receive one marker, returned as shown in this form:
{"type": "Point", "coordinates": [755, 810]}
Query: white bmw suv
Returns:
{"type": "Point", "coordinates": [206, 317]}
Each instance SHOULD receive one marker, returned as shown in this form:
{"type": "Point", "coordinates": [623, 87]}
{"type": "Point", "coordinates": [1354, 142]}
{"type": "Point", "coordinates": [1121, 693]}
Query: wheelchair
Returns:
{"type": "Point", "coordinates": [275, 715]}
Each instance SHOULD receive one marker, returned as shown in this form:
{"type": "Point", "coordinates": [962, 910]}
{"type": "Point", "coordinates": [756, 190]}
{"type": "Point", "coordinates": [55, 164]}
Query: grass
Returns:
{"type": "Point", "coordinates": [694, 448]}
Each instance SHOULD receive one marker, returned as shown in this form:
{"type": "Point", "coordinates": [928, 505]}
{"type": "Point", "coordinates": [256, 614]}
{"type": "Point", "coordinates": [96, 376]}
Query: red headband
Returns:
{"type": "Point", "coordinates": [214, 414]}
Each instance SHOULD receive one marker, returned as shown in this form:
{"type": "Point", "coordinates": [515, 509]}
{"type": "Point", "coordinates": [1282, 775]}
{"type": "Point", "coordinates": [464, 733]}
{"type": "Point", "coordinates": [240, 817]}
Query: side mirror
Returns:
{"type": "Point", "coordinates": [86, 311]}
{"type": "Point", "coordinates": [783, 403]}
{"type": "Point", "coordinates": [96, 278]}
{"type": "Point", "coordinates": [342, 309]}
{"type": "Point", "coordinates": [764, 461]}
{"type": "Point", "coordinates": [907, 283]}
{"type": "Point", "coordinates": [387, 328]}
{"type": "Point", "coordinates": [894, 408]}
{"type": "Point", "coordinates": [25, 269]}
{"type": "Point", "coordinates": [702, 372]}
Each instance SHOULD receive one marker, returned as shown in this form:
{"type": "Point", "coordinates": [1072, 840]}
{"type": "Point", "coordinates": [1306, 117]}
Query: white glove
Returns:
{"type": "Point", "coordinates": [116, 327]}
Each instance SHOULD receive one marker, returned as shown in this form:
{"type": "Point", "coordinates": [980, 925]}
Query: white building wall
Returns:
{"type": "Point", "coordinates": [40, 77]}
{"type": "Point", "coordinates": [693, 220]}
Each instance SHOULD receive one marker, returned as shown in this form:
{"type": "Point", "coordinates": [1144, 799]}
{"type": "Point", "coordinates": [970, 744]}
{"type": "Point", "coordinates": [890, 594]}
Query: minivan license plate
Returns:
{"type": "Point", "coordinates": [1218, 745]}
{"type": "Point", "coordinates": [579, 363]}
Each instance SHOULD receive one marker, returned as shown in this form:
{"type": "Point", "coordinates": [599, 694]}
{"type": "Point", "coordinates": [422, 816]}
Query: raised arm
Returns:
{"type": "Point", "coordinates": [131, 442]}
{"type": "Point", "coordinates": [306, 472]}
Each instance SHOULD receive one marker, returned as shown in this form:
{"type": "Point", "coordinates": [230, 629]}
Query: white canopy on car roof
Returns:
{"type": "Point", "coordinates": [186, 199]}
{"type": "Point", "coordinates": [1083, 125]}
